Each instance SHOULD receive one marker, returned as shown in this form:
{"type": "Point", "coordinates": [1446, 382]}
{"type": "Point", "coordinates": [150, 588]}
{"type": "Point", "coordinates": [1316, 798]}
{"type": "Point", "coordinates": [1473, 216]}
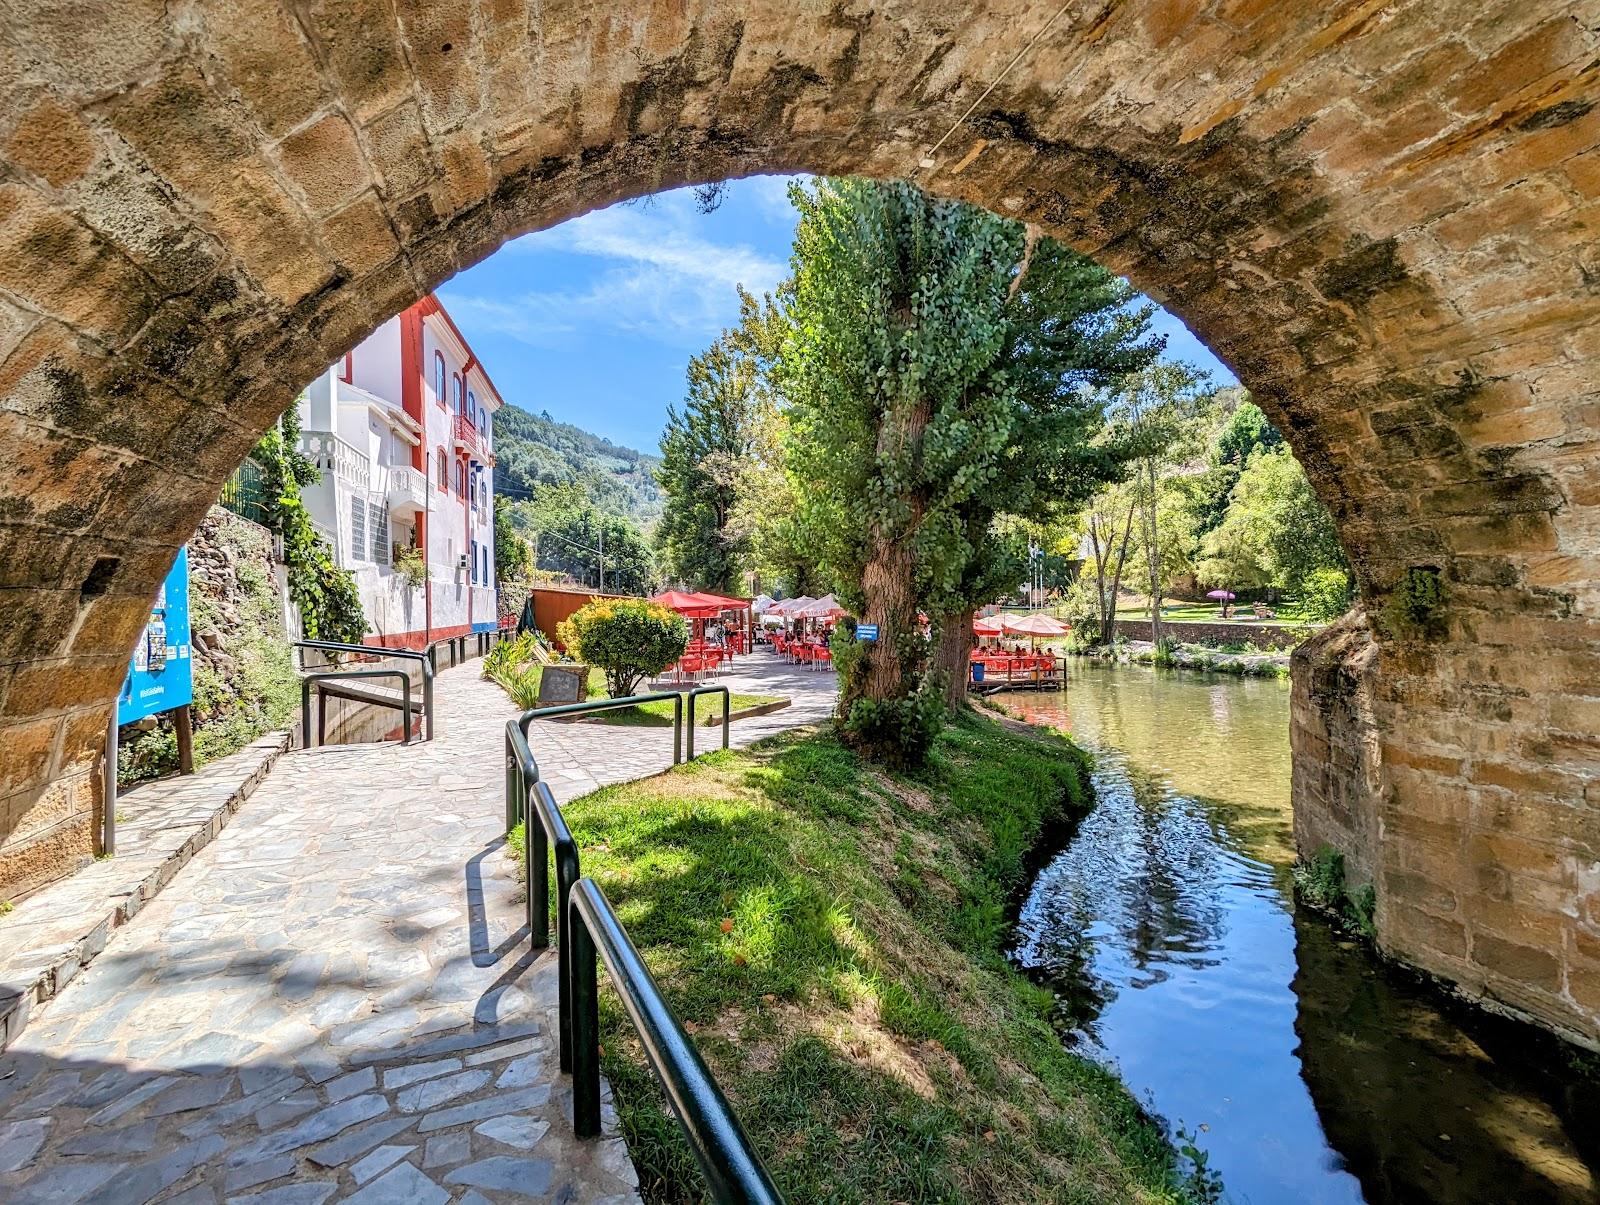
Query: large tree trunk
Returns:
{"type": "Point", "coordinates": [952, 656]}
{"type": "Point", "coordinates": [891, 603]}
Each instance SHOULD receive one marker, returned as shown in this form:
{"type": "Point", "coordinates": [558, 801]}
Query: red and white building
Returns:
{"type": "Point", "coordinates": [401, 429]}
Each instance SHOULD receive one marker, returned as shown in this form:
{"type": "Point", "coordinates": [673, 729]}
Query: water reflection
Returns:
{"type": "Point", "coordinates": [1309, 1073]}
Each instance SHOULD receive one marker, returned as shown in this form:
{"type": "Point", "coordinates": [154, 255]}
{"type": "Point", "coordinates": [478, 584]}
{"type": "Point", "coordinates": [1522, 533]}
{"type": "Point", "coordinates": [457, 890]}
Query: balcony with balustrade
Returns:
{"type": "Point", "coordinates": [407, 492]}
{"type": "Point", "coordinates": [472, 441]}
{"type": "Point", "coordinates": [338, 457]}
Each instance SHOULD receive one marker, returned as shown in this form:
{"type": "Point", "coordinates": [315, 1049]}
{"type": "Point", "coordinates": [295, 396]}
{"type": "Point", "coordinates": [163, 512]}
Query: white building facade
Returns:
{"type": "Point", "coordinates": [402, 431]}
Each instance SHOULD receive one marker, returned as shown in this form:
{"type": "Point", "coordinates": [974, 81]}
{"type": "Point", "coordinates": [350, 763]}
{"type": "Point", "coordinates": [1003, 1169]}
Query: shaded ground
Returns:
{"type": "Point", "coordinates": [333, 999]}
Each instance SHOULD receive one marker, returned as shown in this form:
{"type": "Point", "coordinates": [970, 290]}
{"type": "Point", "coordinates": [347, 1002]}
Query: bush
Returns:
{"type": "Point", "coordinates": [626, 638]}
{"type": "Point", "coordinates": [1325, 595]}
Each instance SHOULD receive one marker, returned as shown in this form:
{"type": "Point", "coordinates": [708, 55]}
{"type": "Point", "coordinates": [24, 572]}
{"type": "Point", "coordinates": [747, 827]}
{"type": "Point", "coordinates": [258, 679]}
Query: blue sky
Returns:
{"type": "Point", "coordinates": [595, 319]}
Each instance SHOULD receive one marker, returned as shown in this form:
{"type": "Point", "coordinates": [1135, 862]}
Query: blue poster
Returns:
{"type": "Point", "coordinates": [866, 631]}
{"type": "Point", "coordinates": [160, 675]}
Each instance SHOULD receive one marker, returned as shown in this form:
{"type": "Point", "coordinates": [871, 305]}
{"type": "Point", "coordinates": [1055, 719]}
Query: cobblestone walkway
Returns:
{"type": "Point", "coordinates": [335, 999]}
{"type": "Point", "coordinates": [575, 759]}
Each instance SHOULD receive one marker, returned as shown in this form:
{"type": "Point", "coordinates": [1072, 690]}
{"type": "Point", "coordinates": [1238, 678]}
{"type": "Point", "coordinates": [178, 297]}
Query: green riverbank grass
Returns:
{"type": "Point", "coordinates": [833, 937]}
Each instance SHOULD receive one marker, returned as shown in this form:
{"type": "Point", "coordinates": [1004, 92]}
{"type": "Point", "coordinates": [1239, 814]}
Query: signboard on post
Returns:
{"type": "Point", "coordinates": [160, 675]}
{"type": "Point", "coordinates": [866, 631]}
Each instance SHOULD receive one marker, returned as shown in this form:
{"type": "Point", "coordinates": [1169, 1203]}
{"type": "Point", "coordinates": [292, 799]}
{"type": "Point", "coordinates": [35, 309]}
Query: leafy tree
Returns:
{"type": "Point", "coordinates": [566, 532]}
{"type": "Point", "coordinates": [1156, 415]}
{"type": "Point", "coordinates": [1068, 333]}
{"type": "Point", "coordinates": [512, 557]}
{"type": "Point", "coordinates": [627, 638]}
{"type": "Point", "coordinates": [766, 512]}
{"type": "Point", "coordinates": [1325, 594]}
{"type": "Point", "coordinates": [1276, 532]}
{"type": "Point", "coordinates": [935, 363]}
{"type": "Point", "coordinates": [1243, 429]}
{"type": "Point", "coordinates": [705, 459]}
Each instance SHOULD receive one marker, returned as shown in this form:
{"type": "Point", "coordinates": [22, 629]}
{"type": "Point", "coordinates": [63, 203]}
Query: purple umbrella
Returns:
{"type": "Point", "coordinates": [1221, 595]}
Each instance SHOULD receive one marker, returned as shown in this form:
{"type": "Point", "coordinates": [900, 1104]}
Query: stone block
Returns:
{"type": "Point", "coordinates": [52, 142]}
{"type": "Point", "coordinates": [265, 57]}
{"type": "Point", "coordinates": [30, 749]}
{"type": "Point", "coordinates": [64, 268]}
{"type": "Point", "coordinates": [324, 160]}
{"type": "Point", "coordinates": [360, 235]}
{"type": "Point", "coordinates": [1516, 963]}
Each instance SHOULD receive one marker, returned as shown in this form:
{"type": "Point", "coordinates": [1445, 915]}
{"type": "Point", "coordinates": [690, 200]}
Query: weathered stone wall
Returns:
{"type": "Point", "coordinates": [1382, 214]}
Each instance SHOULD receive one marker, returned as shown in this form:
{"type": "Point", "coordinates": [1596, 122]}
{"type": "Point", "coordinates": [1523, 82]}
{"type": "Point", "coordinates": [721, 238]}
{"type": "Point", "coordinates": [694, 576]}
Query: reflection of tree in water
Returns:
{"type": "Point", "coordinates": [1134, 894]}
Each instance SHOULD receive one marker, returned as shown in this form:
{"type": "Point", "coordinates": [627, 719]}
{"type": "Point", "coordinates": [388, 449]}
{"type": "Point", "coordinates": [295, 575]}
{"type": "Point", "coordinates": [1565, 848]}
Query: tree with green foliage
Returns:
{"type": "Point", "coordinates": [935, 363]}
{"type": "Point", "coordinates": [1155, 414]}
{"type": "Point", "coordinates": [1070, 334]}
{"type": "Point", "coordinates": [1276, 532]}
{"type": "Point", "coordinates": [324, 594]}
{"type": "Point", "coordinates": [512, 556]}
{"type": "Point", "coordinates": [766, 513]}
{"type": "Point", "coordinates": [1243, 429]}
{"type": "Point", "coordinates": [569, 535]}
{"type": "Point", "coordinates": [627, 638]}
{"type": "Point", "coordinates": [705, 454]}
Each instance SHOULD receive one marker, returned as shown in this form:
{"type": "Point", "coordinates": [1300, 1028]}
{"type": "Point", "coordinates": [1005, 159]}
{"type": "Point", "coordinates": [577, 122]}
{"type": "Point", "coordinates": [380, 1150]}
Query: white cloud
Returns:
{"type": "Point", "coordinates": [662, 279]}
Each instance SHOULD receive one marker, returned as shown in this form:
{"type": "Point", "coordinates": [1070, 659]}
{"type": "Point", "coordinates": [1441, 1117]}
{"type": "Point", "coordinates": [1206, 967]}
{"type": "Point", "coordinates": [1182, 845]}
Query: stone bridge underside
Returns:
{"type": "Point", "coordinates": [1383, 215]}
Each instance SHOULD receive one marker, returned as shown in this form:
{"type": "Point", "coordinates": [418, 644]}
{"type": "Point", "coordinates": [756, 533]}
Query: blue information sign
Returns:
{"type": "Point", "coordinates": [160, 675]}
{"type": "Point", "coordinates": [866, 631]}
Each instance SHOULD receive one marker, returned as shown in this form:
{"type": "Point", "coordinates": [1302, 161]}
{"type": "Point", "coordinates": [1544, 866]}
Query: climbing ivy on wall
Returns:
{"type": "Point", "coordinates": [326, 595]}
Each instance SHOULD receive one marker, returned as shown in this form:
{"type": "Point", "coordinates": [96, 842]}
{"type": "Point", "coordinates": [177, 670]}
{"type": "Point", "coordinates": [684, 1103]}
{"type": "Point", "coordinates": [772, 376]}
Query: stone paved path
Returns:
{"type": "Point", "coordinates": [335, 999]}
{"type": "Point", "coordinates": [575, 759]}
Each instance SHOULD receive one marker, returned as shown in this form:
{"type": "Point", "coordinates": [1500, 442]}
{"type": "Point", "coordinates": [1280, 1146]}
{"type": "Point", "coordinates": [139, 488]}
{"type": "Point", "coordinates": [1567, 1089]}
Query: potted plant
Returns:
{"type": "Point", "coordinates": [408, 563]}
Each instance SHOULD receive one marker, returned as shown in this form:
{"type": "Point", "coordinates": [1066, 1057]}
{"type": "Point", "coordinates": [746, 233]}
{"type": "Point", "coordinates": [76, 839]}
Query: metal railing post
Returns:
{"type": "Point", "coordinates": [677, 732]}
{"type": "Point", "coordinates": [585, 1032]}
{"type": "Point", "coordinates": [733, 1169]}
{"type": "Point", "coordinates": [709, 690]}
{"type": "Point", "coordinates": [427, 698]}
{"type": "Point", "coordinates": [305, 713]}
{"type": "Point", "coordinates": [515, 790]}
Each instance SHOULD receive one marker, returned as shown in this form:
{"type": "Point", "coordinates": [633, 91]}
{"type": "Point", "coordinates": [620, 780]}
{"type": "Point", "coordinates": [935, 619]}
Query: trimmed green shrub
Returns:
{"type": "Point", "coordinates": [626, 638]}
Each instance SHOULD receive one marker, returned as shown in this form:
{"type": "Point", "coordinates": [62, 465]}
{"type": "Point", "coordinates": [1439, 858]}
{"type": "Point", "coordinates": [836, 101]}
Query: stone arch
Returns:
{"type": "Point", "coordinates": [1382, 214]}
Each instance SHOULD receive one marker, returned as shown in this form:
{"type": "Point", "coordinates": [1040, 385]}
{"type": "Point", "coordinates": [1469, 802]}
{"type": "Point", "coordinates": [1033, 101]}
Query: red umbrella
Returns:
{"type": "Point", "coordinates": [987, 626]}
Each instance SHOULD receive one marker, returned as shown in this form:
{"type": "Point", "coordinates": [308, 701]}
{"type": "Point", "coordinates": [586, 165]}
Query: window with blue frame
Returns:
{"type": "Point", "coordinates": [474, 562]}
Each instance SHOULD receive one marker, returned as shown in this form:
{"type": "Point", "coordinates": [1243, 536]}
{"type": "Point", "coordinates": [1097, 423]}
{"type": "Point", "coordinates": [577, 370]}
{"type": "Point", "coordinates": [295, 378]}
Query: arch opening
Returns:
{"type": "Point", "coordinates": [1382, 218]}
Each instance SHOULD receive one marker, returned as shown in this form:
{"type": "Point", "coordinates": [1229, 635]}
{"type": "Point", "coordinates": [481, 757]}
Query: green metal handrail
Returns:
{"type": "Point", "coordinates": [561, 709]}
{"type": "Point", "coordinates": [529, 803]}
{"type": "Point", "coordinates": [732, 1168]}
{"type": "Point", "coordinates": [727, 700]}
{"type": "Point", "coordinates": [379, 650]}
{"type": "Point", "coordinates": [586, 927]}
{"type": "Point", "coordinates": [319, 678]}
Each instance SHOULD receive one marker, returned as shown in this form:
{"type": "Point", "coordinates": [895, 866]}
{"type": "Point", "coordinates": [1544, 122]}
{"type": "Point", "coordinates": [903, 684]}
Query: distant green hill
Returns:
{"type": "Point", "coordinates": [534, 449]}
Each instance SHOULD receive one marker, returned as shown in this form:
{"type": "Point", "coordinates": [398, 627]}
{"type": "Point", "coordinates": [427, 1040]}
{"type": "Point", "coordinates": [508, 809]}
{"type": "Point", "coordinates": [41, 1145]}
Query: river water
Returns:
{"type": "Point", "coordinates": [1307, 1071]}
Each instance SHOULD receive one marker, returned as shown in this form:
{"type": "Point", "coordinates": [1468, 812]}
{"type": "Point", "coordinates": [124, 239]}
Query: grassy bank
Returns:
{"type": "Point", "coordinates": [833, 936]}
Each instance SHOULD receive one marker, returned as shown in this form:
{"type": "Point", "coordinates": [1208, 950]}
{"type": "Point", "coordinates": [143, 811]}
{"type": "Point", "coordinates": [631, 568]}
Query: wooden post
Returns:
{"type": "Point", "coordinates": [185, 732]}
